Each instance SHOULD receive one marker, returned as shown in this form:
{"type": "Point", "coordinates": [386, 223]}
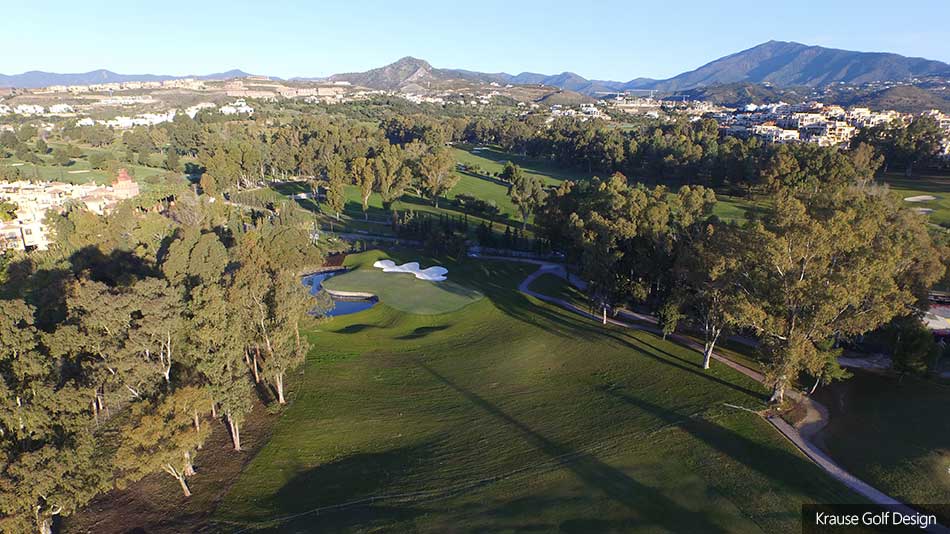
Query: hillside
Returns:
{"type": "Point", "coordinates": [35, 79]}
{"type": "Point", "coordinates": [903, 98]}
{"type": "Point", "coordinates": [777, 63]}
{"type": "Point", "coordinates": [787, 64]}
{"type": "Point", "coordinates": [740, 94]}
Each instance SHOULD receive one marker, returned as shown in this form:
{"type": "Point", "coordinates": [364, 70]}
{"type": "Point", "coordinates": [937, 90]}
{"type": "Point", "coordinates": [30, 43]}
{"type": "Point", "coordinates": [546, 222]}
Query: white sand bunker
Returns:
{"type": "Point", "coordinates": [920, 198]}
{"type": "Point", "coordinates": [432, 274]}
{"type": "Point", "coordinates": [925, 211]}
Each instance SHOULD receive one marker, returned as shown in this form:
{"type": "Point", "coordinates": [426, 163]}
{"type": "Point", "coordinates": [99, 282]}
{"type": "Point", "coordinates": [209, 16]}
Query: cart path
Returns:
{"type": "Point", "coordinates": [801, 435]}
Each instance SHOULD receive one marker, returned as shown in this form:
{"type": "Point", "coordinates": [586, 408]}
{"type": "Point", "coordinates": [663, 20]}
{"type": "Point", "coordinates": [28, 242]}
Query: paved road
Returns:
{"type": "Point", "coordinates": [815, 419]}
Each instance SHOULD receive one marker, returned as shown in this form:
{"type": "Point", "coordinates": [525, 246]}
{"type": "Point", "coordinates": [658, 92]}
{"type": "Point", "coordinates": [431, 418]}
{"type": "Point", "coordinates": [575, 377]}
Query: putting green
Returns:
{"type": "Point", "coordinates": [402, 291]}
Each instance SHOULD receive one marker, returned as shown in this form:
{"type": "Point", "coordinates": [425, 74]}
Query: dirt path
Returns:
{"type": "Point", "coordinates": [801, 435]}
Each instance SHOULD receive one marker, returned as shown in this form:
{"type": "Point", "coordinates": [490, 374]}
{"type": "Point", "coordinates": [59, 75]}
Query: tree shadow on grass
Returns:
{"type": "Point", "coordinates": [423, 331]}
{"type": "Point", "coordinates": [354, 328]}
{"type": "Point", "coordinates": [346, 494]}
{"type": "Point", "coordinates": [647, 504]}
{"type": "Point", "coordinates": [573, 324]}
{"type": "Point", "coordinates": [772, 463]}
{"type": "Point", "coordinates": [655, 352]}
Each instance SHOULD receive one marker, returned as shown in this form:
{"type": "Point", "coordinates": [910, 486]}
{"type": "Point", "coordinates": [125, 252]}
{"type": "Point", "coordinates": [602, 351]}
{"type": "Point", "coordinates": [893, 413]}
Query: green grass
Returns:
{"type": "Point", "coordinates": [933, 185]}
{"type": "Point", "coordinates": [51, 172]}
{"type": "Point", "coordinates": [733, 209]}
{"type": "Point", "coordinates": [512, 415]}
{"type": "Point", "coordinates": [892, 434]}
{"type": "Point", "coordinates": [403, 291]}
{"type": "Point", "coordinates": [555, 286]}
{"type": "Point", "coordinates": [492, 160]}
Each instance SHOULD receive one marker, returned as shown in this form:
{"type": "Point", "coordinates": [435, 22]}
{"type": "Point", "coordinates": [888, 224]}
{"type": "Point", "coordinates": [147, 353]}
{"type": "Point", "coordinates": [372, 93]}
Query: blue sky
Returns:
{"type": "Point", "coordinates": [598, 39]}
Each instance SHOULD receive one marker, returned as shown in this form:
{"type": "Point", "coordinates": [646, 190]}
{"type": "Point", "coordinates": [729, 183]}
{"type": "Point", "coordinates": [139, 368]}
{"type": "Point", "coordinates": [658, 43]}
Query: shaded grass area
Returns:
{"type": "Point", "coordinates": [492, 159]}
{"type": "Point", "coordinates": [403, 291]}
{"type": "Point", "coordinates": [892, 434]}
{"type": "Point", "coordinates": [555, 286]}
{"type": "Point", "coordinates": [513, 415]}
{"type": "Point", "coordinates": [734, 209]}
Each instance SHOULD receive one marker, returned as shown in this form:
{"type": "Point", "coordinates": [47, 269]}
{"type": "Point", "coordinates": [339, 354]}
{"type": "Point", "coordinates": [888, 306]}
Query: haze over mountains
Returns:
{"type": "Point", "coordinates": [779, 63]}
{"type": "Point", "coordinates": [36, 78]}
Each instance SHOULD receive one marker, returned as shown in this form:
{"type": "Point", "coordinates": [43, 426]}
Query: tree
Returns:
{"type": "Point", "coordinates": [362, 172]}
{"type": "Point", "coordinates": [904, 145]}
{"type": "Point", "coordinates": [27, 132]}
{"type": "Point", "coordinates": [41, 147]}
{"type": "Point", "coordinates": [157, 325]}
{"type": "Point", "coordinates": [51, 465]}
{"type": "Point", "coordinates": [526, 193]}
{"type": "Point", "coordinates": [392, 176]}
{"type": "Point", "coordinates": [61, 157]}
{"type": "Point", "coordinates": [823, 262]}
{"type": "Point", "coordinates": [435, 167]}
{"type": "Point", "coordinates": [510, 171]}
{"type": "Point", "coordinates": [912, 344]}
{"type": "Point", "coordinates": [288, 349]}
{"type": "Point", "coordinates": [706, 275]}
{"type": "Point", "coordinates": [172, 160]}
{"type": "Point", "coordinates": [100, 160]}
{"type": "Point", "coordinates": [669, 317]}
{"type": "Point", "coordinates": [162, 437]}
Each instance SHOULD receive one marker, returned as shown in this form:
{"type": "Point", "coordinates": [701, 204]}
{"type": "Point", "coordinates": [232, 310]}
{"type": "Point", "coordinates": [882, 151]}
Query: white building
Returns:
{"type": "Point", "coordinates": [239, 106]}
{"type": "Point", "coordinates": [192, 111]}
{"type": "Point", "coordinates": [29, 109]}
{"type": "Point", "coordinates": [61, 108]}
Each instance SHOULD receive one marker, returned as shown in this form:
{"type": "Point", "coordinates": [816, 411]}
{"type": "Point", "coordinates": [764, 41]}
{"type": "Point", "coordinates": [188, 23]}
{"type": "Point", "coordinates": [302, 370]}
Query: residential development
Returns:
{"type": "Point", "coordinates": [34, 200]}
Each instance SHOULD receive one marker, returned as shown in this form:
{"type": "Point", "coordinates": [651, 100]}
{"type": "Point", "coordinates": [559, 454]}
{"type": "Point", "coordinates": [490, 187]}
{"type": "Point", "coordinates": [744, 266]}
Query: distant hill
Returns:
{"type": "Point", "coordinates": [411, 74]}
{"type": "Point", "coordinates": [35, 79]}
{"type": "Point", "coordinates": [777, 63]}
{"type": "Point", "coordinates": [787, 64]}
{"type": "Point", "coordinates": [903, 98]}
{"type": "Point", "coordinates": [740, 94]}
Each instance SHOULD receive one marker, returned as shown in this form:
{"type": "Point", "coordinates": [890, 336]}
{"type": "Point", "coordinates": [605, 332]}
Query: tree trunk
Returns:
{"type": "Point", "coordinates": [778, 392]}
{"type": "Point", "coordinates": [214, 409]}
{"type": "Point", "coordinates": [189, 469]}
{"type": "Point", "coordinates": [184, 486]}
{"type": "Point", "coordinates": [708, 349]}
{"type": "Point", "coordinates": [197, 425]}
{"type": "Point", "coordinates": [235, 433]}
{"type": "Point", "coordinates": [605, 315]}
{"type": "Point", "coordinates": [280, 388]}
{"type": "Point", "coordinates": [257, 353]}
{"type": "Point", "coordinates": [46, 525]}
{"type": "Point", "coordinates": [814, 387]}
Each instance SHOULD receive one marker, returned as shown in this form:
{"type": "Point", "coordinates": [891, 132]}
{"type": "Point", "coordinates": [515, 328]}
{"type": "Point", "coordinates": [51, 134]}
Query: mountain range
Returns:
{"type": "Point", "coordinates": [36, 78]}
{"type": "Point", "coordinates": [776, 63]}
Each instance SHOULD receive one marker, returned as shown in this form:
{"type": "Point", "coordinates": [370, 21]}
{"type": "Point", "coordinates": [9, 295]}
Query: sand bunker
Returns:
{"type": "Point", "coordinates": [432, 274]}
{"type": "Point", "coordinates": [925, 211]}
{"type": "Point", "coordinates": [920, 198]}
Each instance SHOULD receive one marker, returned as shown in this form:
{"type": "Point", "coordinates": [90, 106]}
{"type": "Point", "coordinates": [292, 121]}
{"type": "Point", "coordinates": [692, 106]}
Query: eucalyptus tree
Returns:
{"type": "Point", "coordinates": [827, 259]}
{"type": "Point", "coordinates": [526, 192]}
{"type": "Point", "coordinates": [437, 173]}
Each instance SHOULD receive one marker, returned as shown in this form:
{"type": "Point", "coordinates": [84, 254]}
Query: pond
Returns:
{"type": "Point", "coordinates": [341, 306]}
